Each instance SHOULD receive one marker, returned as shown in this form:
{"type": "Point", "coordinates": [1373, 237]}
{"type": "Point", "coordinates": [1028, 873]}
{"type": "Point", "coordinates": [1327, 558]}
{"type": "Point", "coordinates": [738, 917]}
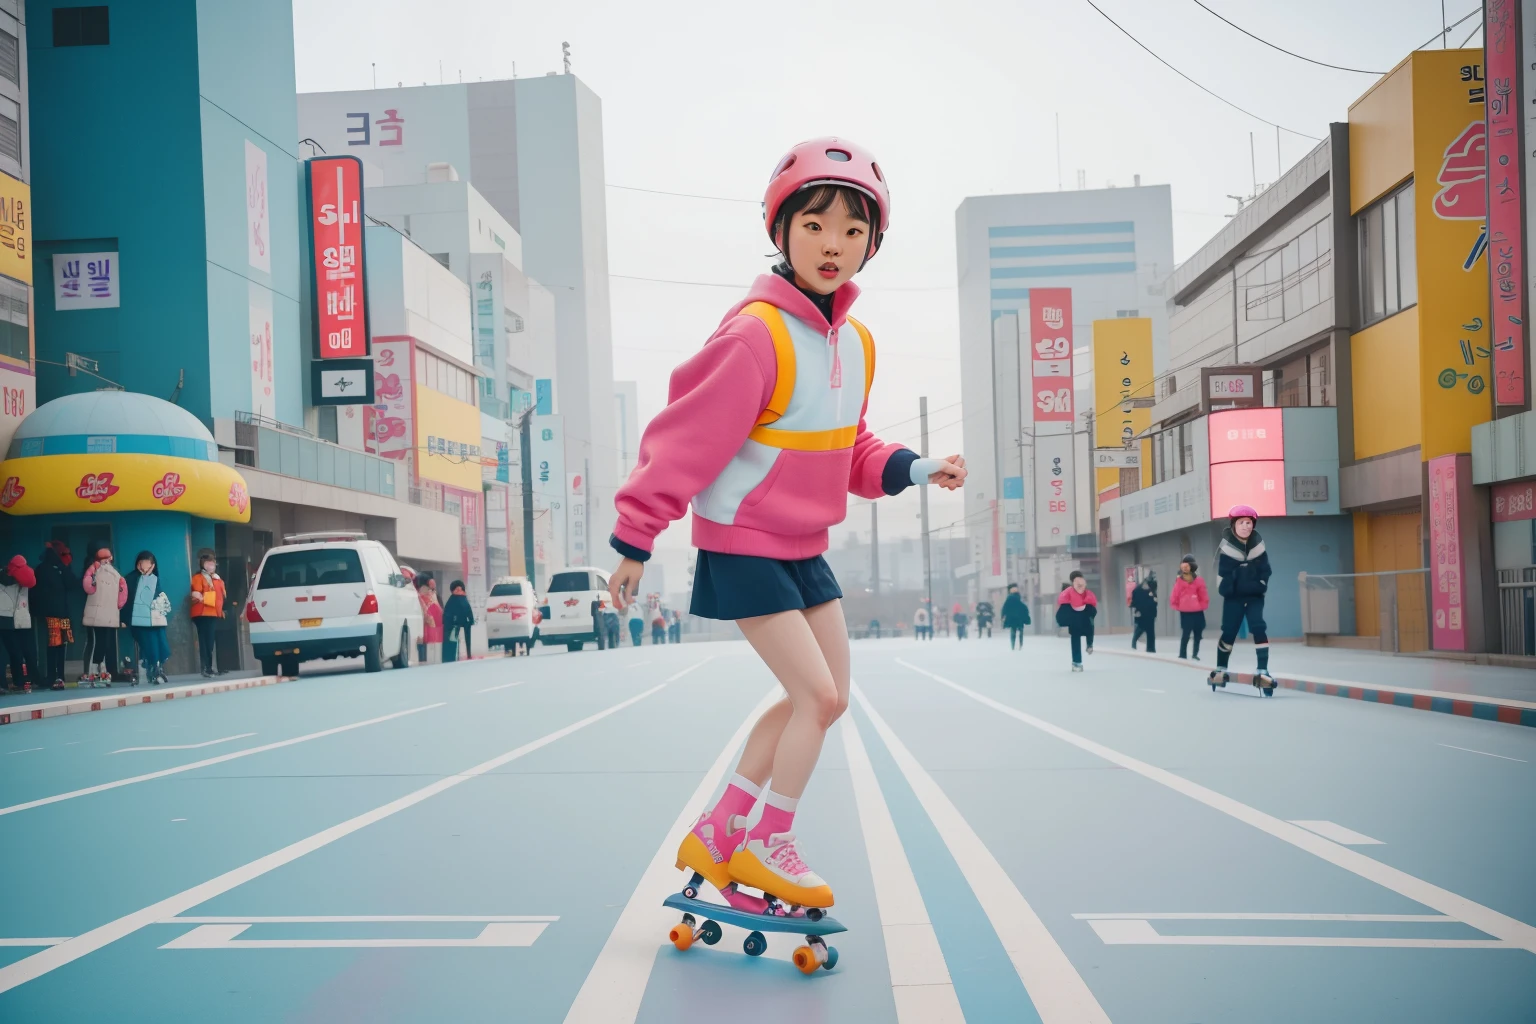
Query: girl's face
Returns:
{"type": "Point", "coordinates": [826, 249]}
{"type": "Point", "coordinates": [1243, 528]}
{"type": "Point", "coordinates": [208, 566]}
{"type": "Point", "coordinates": [1080, 584]}
{"type": "Point", "coordinates": [1184, 567]}
{"type": "Point", "coordinates": [146, 566]}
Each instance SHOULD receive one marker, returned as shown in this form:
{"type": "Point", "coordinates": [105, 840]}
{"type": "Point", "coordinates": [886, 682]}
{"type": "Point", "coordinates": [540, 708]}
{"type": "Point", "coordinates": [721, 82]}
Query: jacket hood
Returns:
{"type": "Point", "coordinates": [776, 291]}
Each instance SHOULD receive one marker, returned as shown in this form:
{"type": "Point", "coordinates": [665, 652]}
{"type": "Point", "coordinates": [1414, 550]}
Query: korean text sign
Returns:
{"type": "Point", "coordinates": [1050, 339]}
{"type": "Point", "coordinates": [1506, 244]}
{"type": "Point", "coordinates": [1445, 557]}
{"type": "Point", "coordinates": [336, 227]}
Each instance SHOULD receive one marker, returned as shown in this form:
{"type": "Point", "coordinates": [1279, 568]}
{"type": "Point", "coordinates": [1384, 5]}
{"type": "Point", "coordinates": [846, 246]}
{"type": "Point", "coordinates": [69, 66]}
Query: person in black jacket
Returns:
{"type": "Point", "coordinates": [457, 615]}
{"type": "Point", "coordinates": [56, 582]}
{"type": "Point", "coordinates": [1144, 606]}
{"type": "Point", "coordinates": [984, 614]}
{"type": "Point", "coordinates": [1076, 609]}
{"type": "Point", "coordinates": [1244, 571]}
{"type": "Point", "coordinates": [1015, 617]}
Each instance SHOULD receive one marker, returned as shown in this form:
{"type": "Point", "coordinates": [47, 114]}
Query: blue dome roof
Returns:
{"type": "Point", "coordinates": [111, 412]}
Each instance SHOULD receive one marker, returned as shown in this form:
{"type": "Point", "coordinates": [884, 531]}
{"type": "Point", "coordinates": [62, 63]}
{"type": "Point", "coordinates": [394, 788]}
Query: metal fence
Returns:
{"type": "Point", "coordinates": [1388, 606]}
{"type": "Point", "coordinates": [1517, 609]}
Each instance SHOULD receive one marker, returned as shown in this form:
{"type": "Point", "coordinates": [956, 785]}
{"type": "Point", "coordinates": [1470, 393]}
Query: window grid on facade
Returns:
{"type": "Point", "coordinates": [1291, 280]}
{"type": "Point", "coordinates": [1388, 270]}
{"type": "Point", "coordinates": [10, 58]}
{"type": "Point", "coordinates": [1173, 452]}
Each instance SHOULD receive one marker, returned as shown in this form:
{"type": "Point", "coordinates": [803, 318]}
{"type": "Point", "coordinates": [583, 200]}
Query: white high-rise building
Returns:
{"type": "Point", "coordinates": [1112, 248]}
{"type": "Point", "coordinates": [533, 148]}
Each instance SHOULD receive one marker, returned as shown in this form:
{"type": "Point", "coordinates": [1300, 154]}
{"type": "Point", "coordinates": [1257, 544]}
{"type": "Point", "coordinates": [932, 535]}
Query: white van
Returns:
{"type": "Point", "coordinates": [331, 595]}
{"type": "Point", "coordinates": [576, 599]}
{"type": "Point", "coordinates": [509, 614]}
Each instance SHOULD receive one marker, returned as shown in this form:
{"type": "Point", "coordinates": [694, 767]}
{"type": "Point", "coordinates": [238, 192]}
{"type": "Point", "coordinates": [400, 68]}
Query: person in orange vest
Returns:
{"type": "Point", "coordinates": [208, 597]}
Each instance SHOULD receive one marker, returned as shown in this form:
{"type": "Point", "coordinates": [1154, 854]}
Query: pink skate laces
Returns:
{"type": "Point", "coordinates": [784, 857]}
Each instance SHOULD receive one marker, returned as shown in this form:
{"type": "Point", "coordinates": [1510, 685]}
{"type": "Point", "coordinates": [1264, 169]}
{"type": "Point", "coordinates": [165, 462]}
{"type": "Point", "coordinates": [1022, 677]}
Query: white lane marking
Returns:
{"type": "Point", "coordinates": [1485, 753]}
{"type": "Point", "coordinates": [27, 750]}
{"type": "Point", "coordinates": [33, 942]}
{"type": "Point", "coordinates": [38, 964]}
{"type": "Point", "coordinates": [148, 776]}
{"type": "Point", "coordinates": [178, 819]}
{"type": "Point", "coordinates": [499, 934]}
{"type": "Point", "coordinates": [503, 686]}
{"type": "Point", "coordinates": [1338, 833]}
{"type": "Point", "coordinates": [615, 986]}
{"type": "Point", "coordinates": [186, 746]}
{"type": "Point", "coordinates": [920, 981]}
{"type": "Point", "coordinates": [1390, 918]}
{"type": "Point", "coordinates": [1484, 919]}
{"type": "Point", "coordinates": [364, 919]}
{"type": "Point", "coordinates": [1059, 993]}
{"type": "Point", "coordinates": [1141, 933]}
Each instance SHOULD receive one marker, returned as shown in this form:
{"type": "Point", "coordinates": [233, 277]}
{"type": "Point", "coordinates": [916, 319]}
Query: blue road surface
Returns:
{"type": "Point", "coordinates": [1008, 841]}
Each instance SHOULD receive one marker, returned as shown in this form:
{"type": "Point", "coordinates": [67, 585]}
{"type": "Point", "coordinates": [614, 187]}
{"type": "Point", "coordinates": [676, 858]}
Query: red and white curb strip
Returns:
{"type": "Point", "coordinates": [153, 695]}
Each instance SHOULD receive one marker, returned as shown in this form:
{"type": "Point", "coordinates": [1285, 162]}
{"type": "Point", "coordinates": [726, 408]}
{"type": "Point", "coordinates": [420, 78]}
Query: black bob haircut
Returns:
{"type": "Point", "coordinates": [819, 199]}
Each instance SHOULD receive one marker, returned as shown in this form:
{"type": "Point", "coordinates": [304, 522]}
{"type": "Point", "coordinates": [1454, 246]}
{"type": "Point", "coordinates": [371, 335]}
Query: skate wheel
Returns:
{"type": "Point", "coordinates": [831, 958]}
{"type": "Point", "coordinates": [814, 913]}
{"type": "Point", "coordinates": [805, 959]}
{"type": "Point", "coordinates": [1269, 691]}
{"type": "Point", "coordinates": [681, 936]}
{"type": "Point", "coordinates": [1213, 687]}
{"type": "Point", "coordinates": [690, 892]}
{"type": "Point", "coordinates": [711, 933]}
{"type": "Point", "coordinates": [755, 945]}
{"type": "Point", "coordinates": [690, 921]}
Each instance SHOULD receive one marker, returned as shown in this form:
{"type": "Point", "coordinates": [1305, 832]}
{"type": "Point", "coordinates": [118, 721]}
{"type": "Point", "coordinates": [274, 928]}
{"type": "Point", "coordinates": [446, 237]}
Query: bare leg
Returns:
{"type": "Point", "coordinates": [757, 758]}
{"type": "Point", "coordinates": [789, 647]}
{"type": "Point", "coordinates": [831, 632]}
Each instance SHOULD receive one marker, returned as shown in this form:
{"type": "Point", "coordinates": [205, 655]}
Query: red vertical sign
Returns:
{"type": "Point", "coordinates": [336, 230]}
{"type": "Point", "coordinates": [1506, 244]}
{"type": "Point", "coordinates": [1050, 337]}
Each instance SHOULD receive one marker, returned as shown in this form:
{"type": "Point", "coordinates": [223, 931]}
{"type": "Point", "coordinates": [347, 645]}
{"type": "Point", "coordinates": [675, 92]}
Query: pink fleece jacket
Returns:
{"type": "Point", "coordinates": [712, 405]}
{"type": "Point", "coordinates": [1190, 596]}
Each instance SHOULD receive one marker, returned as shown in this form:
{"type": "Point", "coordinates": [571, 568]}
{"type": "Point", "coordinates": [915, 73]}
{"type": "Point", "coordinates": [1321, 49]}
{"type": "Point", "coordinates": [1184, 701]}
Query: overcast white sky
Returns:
{"type": "Point", "coordinates": [703, 97]}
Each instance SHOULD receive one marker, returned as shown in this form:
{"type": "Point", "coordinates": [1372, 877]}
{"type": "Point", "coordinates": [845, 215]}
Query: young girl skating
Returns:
{"type": "Point", "coordinates": [1076, 609]}
{"type": "Point", "coordinates": [764, 435]}
{"type": "Point", "coordinates": [1244, 569]}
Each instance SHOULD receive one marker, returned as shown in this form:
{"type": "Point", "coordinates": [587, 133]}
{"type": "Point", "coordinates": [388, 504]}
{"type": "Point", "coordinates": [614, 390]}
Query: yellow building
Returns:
{"type": "Point", "coordinates": [1420, 372]}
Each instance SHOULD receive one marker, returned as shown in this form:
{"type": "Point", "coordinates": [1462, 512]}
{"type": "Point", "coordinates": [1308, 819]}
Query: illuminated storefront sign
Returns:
{"type": "Point", "coordinates": [340, 283]}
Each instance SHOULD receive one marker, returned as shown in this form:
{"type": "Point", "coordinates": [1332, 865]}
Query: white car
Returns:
{"type": "Point", "coordinates": [575, 599]}
{"type": "Point", "coordinates": [331, 595]}
{"type": "Point", "coordinates": [509, 613]}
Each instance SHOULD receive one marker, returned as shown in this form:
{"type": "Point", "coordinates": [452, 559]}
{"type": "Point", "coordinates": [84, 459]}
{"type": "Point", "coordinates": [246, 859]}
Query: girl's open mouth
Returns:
{"type": "Point", "coordinates": [828, 271]}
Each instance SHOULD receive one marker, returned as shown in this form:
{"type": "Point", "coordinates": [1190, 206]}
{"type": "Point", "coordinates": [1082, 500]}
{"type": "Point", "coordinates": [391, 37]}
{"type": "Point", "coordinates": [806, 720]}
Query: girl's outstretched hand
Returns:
{"type": "Point", "coordinates": [625, 583]}
{"type": "Point", "coordinates": [951, 475]}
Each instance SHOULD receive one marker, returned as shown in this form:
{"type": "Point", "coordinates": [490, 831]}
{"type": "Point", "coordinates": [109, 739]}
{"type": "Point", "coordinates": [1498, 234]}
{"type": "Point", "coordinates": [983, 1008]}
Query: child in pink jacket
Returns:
{"type": "Point", "coordinates": [1190, 600]}
{"type": "Point", "coordinates": [764, 436]}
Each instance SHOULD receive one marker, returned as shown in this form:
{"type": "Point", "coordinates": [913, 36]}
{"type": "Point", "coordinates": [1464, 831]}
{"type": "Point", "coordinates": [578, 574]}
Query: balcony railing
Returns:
{"type": "Point", "coordinates": [275, 447]}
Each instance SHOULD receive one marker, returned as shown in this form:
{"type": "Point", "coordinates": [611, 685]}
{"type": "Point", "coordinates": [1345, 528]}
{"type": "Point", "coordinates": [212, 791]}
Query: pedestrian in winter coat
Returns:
{"type": "Point", "coordinates": [1144, 607]}
{"type": "Point", "coordinates": [431, 616]}
{"type": "Point", "coordinates": [984, 615]}
{"type": "Point", "coordinates": [146, 614]}
{"type": "Point", "coordinates": [611, 626]}
{"type": "Point", "coordinates": [922, 625]}
{"type": "Point", "coordinates": [636, 624]}
{"type": "Point", "coordinates": [458, 618]}
{"type": "Point", "coordinates": [675, 628]}
{"type": "Point", "coordinates": [50, 602]}
{"type": "Point", "coordinates": [1076, 609]}
{"type": "Point", "coordinates": [1015, 617]}
{"type": "Point", "coordinates": [208, 596]}
{"type": "Point", "coordinates": [1190, 600]}
{"type": "Point", "coordinates": [659, 627]}
{"type": "Point", "coordinates": [1244, 569]}
{"type": "Point", "coordinates": [961, 620]}
{"type": "Point", "coordinates": [106, 593]}
{"type": "Point", "coordinates": [20, 643]}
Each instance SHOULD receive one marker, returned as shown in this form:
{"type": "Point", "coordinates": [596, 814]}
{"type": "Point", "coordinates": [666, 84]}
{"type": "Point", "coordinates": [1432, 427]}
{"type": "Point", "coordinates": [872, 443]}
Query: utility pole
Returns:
{"type": "Point", "coordinates": [922, 411]}
{"type": "Point", "coordinates": [1058, 152]}
{"type": "Point", "coordinates": [874, 547]}
{"type": "Point", "coordinates": [525, 447]}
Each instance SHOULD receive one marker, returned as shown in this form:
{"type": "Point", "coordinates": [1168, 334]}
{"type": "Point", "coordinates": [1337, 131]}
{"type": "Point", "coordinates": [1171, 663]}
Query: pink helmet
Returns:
{"type": "Point", "coordinates": [1243, 512]}
{"type": "Point", "coordinates": [823, 161]}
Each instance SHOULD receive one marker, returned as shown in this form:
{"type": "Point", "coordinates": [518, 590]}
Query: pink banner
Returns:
{"type": "Point", "coordinates": [1506, 245]}
{"type": "Point", "coordinates": [1050, 336]}
{"type": "Point", "coordinates": [1514, 502]}
{"type": "Point", "coordinates": [1446, 569]}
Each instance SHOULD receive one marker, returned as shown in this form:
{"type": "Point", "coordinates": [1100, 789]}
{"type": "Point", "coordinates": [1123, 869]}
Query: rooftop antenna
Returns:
{"type": "Point", "coordinates": [1058, 151]}
{"type": "Point", "coordinates": [565, 51]}
{"type": "Point", "coordinates": [1253, 165]}
{"type": "Point", "coordinates": [1444, 31]}
{"type": "Point", "coordinates": [1279, 167]}
{"type": "Point", "coordinates": [1082, 179]}
{"type": "Point", "coordinates": [375, 66]}
{"type": "Point", "coordinates": [439, 72]}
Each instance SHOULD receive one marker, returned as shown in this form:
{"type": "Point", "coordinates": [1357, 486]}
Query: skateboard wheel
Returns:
{"type": "Point", "coordinates": [831, 958]}
{"type": "Point", "coordinates": [690, 892]}
{"type": "Point", "coordinates": [681, 936]}
{"type": "Point", "coordinates": [815, 913]}
{"type": "Point", "coordinates": [755, 945]}
{"type": "Point", "coordinates": [690, 921]}
{"type": "Point", "coordinates": [711, 933]}
{"type": "Point", "coordinates": [805, 959]}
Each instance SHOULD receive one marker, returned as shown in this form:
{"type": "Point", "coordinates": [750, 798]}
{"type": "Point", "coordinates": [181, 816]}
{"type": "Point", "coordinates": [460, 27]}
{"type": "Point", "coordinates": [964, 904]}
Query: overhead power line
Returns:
{"type": "Point", "coordinates": [685, 195]}
{"type": "Point", "coordinates": [1288, 53]}
{"type": "Point", "coordinates": [1441, 36]}
{"type": "Point", "coordinates": [1194, 83]}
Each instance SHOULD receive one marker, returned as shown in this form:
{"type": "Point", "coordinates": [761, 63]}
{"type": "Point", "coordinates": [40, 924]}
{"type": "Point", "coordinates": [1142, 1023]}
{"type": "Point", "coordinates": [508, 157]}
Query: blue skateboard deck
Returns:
{"type": "Point", "coordinates": [815, 955]}
{"type": "Point", "coordinates": [800, 924]}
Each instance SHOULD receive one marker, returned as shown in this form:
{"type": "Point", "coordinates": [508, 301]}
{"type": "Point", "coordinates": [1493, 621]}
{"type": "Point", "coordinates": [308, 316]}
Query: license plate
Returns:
{"type": "Point", "coordinates": [306, 623]}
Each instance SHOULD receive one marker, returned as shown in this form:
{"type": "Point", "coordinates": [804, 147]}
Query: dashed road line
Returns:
{"type": "Point", "coordinates": [186, 746]}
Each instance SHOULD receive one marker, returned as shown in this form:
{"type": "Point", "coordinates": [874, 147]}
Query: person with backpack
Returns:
{"type": "Point", "coordinates": [50, 602]}
{"type": "Point", "coordinates": [1144, 607]}
{"type": "Point", "coordinates": [1015, 617]}
{"type": "Point", "coordinates": [20, 643]}
{"type": "Point", "coordinates": [1190, 600]}
{"type": "Point", "coordinates": [106, 592]}
{"type": "Point", "coordinates": [1076, 609]}
{"type": "Point", "coordinates": [1243, 566]}
{"type": "Point", "coordinates": [145, 614]}
{"type": "Point", "coordinates": [208, 596]}
{"type": "Point", "coordinates": [458, 618]}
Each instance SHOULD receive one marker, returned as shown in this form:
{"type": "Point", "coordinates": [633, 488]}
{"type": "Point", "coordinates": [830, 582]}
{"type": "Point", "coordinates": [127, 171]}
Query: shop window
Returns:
{"type": "Point", "coordinates": [1388, 272]}
{"type": "Point", "coordinates": [81, 26]}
